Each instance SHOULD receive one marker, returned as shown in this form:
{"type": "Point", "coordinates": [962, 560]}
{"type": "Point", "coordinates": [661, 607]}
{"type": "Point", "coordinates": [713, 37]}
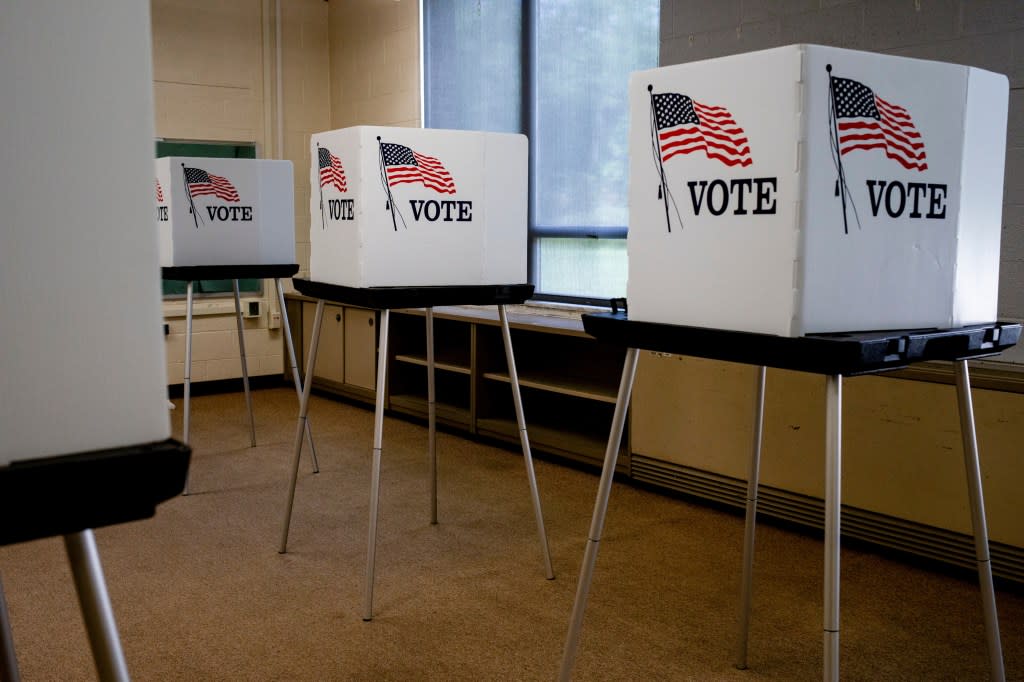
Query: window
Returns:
{"type": "Point", "coordinates": [241, 150]}
{"type": "Point", "coordinates": [556, 70]}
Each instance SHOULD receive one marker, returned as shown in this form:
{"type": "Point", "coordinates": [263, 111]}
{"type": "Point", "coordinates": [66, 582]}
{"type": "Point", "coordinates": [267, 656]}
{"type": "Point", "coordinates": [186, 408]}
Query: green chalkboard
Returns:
{"type": "Point", "coordinates": [233, 150]}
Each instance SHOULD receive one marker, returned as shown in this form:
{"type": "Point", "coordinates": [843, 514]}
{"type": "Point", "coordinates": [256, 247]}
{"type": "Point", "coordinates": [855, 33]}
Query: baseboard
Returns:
{"type": "Point", "coordinates": [917, 539]}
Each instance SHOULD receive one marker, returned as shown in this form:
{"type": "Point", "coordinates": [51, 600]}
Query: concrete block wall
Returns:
{"type": "Point", "coordinates": [375, 63]}
{"type": "Point", "coordinates": [985, 33]}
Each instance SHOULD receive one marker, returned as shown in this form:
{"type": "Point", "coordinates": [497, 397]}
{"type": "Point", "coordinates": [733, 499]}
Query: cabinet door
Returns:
{"type": "Point", "coordinates": [361, 348]}
{"type": "Point", "coordinates": [330, 361]}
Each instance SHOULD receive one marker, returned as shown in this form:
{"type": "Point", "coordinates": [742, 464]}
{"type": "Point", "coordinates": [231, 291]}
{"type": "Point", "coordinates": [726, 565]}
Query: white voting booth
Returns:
{"type": "Point", "coordinates": [416, 218]}
{"type": "Point", "coordinates": [779, 196]}
{"type": "Point", "coordinates": [82, 371]}
{"type": "Point", "coordinates": [230, 219]}
{"type": "Point", "coordinates": [809, 189]}
{"type": "Point", "coordinates": [417, 207]}
{"type": "Point", "coordinates": [214, 211]}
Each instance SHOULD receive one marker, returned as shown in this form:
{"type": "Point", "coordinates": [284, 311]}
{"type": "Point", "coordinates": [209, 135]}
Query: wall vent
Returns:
{"type": "Point", "coordinates": [918, 539]}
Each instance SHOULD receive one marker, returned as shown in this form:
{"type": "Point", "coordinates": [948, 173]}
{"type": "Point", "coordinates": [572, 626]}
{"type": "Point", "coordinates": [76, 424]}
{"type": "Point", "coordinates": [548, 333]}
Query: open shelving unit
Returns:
{"type": "Point", "coordinates": [568, 380]}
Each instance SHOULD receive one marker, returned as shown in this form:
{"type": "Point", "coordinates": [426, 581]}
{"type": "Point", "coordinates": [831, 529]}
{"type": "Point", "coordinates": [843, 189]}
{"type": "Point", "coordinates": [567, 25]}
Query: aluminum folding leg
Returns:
{"type": "Point", "coordinates": [604, 488]}
{"type": "Point", "coordinates": [378, 432]}
{"type": "Point", "coordinates": [431, 416]}
{"type": "Point", "coordinates": [833, 479]}
{"type": "Point", "coordinates": [294, 366]}
{"type": "Point", "coordinates": [245, 370]}
{"type": "Point", "coordinates": [8, 659]}
{"type": "Point", "coordinates": [300, 428]}
{"type": "Point", "coordinates": [95, 602]}
{"type": "Point", "coordinates": [978, 522]}
{"type": "Point", "coordinates": [524, 440]}
{"type": "Point", "coordinates": [188, 373]}
{"type": "Point", "coordinates": [753, 476]}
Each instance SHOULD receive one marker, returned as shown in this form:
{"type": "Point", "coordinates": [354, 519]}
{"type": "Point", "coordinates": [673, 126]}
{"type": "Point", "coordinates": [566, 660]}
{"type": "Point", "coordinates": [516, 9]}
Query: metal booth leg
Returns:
{"type": "Point", "coordinates": [524, 439]}
{"type": "Point", "coordinates": [431, 416]}
{"type": "Point", "coordinates": [245, 371]}
{"type": "Point", "coordinates": [604, 488]}
{"type": "Point", "coordinates": [289, 344]}
{"type": "Point", "coordinates": [95, 603]}
{"type": "Point", "coordinates": [977, 501]}
{"type": "Point", "coordinates": [753, 475]}
{"type": "Point", "coordinates": [188, 372]}
{"type": "Point", "coordinates": [833, 480]}
{"type": "Point", "coordinates": [8, 659]}
{"type": "Point", "coordinates": [300, 428]}
{"type": "Point", "coordinates": [378, 432]}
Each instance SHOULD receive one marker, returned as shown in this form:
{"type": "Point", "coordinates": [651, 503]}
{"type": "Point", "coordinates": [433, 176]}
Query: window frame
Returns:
{"type": "Point", "coordinates": [529, 123]}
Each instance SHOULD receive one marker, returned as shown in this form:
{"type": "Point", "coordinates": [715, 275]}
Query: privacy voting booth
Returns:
{"type": "Point", "coordinates": [227, 219]}
{"type": "Point", "coordinates": [84, 431]}
{"type": "Point", "coordinates": [819, 210]}
{"type": "Point", "coordinates": [416, 218]}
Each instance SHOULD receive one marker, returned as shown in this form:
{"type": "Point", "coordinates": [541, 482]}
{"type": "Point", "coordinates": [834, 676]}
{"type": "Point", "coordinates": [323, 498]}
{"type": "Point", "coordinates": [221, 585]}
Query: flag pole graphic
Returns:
{"type": "Point", "coordinates": [188, 193]}
{"type": "Point", "coordinates": [834, 130]}
{"type": "Point", "coordinates": [663, 187]}
{"type": "Point", "coordinates": [323, 217]}
{"type": "Point", "coordinates": [387, 187]}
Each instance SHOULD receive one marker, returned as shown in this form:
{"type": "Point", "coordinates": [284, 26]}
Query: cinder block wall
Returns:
{"type": "Point", "coordinates": [215, 79]}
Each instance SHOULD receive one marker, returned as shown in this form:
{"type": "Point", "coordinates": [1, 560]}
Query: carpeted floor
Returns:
{"type": "Point", "coordinates": [201, 593]}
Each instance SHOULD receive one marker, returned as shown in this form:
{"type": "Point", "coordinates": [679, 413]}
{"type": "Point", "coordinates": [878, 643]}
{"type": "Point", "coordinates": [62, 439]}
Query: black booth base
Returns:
{"type": "Point", "coordinates": [71, 493]}
{"type": "Point", "coordinates": [842, 353]}
{"type": "Point", "coordinates": [386, 298]}
{"type": "Point", "coordinates": [192, 273]}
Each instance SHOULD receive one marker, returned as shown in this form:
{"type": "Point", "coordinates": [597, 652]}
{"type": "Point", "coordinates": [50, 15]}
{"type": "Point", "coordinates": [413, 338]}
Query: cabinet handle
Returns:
{"type": "Point", "coordinates": [369, 321]}
{"type": "Point", "coordinates": [337, 318]}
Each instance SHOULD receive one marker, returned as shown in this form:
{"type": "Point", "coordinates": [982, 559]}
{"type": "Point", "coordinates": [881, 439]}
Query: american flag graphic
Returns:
{"type": "Point", "coordinates": [866, 121]}
{"type": "Point", "coordinates": [402, 164]}
{"type": "Point", "coordinates": [331, 170]}
{"type": "Point", "coordinates": [202, 183]}
{"type": "Point", "coordinates": [159, 192]}
{"type": "Point", "coordinates": [685, 125]}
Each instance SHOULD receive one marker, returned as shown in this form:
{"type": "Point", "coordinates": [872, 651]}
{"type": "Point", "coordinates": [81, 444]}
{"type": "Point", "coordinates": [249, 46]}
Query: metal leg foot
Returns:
{"type": "Point", "coordinates": [300, 427]}
{"type": "Point", "coordinates": [290, 345]}
{"type": "Point", "coordinates": [833, 478]}
{"type": "Point", "coordinates": [431, 416]}
{"type": "Point", "coordinates": [753, 474]}
{"type": "Point", "coordinates": [978, 522]}
{"type": "Point", "coordinates": [378, 433]}
{"type": "Point", "coordinates": [95, 603]}
{"type": "Point", "coordinates": [245, 369]}
{"type": "Point", "coordinates": [188, 375]}
{"type": "Point", "coordinates": [8, 659]}
{"type": "Point", "coordinates": [604, 489]}
{"type": "Point", "coordinates": [524, 440]}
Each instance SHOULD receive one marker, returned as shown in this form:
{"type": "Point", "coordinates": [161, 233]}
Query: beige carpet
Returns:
{"type": "Point", "coordinates": [201, 593]}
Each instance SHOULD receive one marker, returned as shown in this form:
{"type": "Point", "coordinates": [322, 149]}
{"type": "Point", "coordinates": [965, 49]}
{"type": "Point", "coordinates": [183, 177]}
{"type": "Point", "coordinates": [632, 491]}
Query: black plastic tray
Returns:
{"type": "Point", "coordinates": [415, 297]}
{"type": "Point", "coordinates": [60, 495]}
{"type": "Point", "coordinates": [845, 353]}
{"type": "Point", "coordinates": [192, 273]}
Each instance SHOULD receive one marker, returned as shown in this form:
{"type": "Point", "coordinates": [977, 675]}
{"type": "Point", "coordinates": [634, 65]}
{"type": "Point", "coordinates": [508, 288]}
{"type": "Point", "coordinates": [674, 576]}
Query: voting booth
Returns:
{"type": "Point", "coordinates": [214, 211]}
{"type": "Point", "coordinates": [84, 430]}
{"type": "Point", "coordinates": [809, 189]}
{"type": "Point", "coordinates": [416, 218]}
{"type": "Point", "coordinates": [417, 207]}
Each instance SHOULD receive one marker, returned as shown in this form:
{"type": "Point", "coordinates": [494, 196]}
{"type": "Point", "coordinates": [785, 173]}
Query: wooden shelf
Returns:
{"type": "Point", "coordinates": [421, 360]}
{"type": "Point", "coordinates": [583, 447]}
{"type": "Point", "coordinates": [564, 385]}
{"type": "Point", "coordinates": [417, 406]}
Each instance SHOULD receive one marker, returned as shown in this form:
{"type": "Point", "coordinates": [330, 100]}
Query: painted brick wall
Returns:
{"type": "Point", "coordinates": [214, 79]}
{"type": "Point", "coordinates": [985, 33]}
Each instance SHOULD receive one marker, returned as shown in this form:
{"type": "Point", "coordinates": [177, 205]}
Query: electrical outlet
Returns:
{"type": "Point", "coordinates": [275, 320]}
